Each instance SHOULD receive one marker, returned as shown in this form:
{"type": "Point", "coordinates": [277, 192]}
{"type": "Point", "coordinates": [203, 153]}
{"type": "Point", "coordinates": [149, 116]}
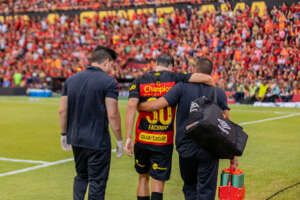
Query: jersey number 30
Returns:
{"type": "Point", "coordinates": [159, 116]}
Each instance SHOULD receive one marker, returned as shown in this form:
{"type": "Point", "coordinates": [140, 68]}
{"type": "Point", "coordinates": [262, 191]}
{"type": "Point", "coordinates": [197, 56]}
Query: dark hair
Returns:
{"type": "Point", "coordinates": [204, 65]}
{"type": "Point", "coordinates": [101, 53]}
{"type": "Point", "coordinates": [165, 60]}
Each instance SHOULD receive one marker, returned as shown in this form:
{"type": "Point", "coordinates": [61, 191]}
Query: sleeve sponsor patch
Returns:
{"type": "Point", "coordinates": [132, 87]}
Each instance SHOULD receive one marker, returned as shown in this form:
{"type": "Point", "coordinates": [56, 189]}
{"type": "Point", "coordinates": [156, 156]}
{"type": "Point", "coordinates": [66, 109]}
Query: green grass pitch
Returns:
{"type": "Point", "coordinates": [29, 130]}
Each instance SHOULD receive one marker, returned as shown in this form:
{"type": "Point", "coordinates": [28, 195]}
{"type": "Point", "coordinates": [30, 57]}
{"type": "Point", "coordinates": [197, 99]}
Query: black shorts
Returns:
{"type": "Point", "coordinates": [155, 163]}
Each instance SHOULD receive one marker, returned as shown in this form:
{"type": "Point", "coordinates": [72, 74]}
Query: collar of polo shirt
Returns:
{"type": "Point", "coordinates": [94, 68]}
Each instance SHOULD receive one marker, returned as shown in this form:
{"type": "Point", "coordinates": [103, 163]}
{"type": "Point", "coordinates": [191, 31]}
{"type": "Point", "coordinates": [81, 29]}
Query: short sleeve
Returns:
{"type": "Point", "coordinates": [183, 77]}
{"type": "Point", "coordinates": [134, 90]}
{"type": "Point", "coordinates": [112, 90]}
{"type": "Point", "coordinates": [174, 94]}
{"type": "Point", "coordinates": [222, 99]}
{"type": "Point", "coordinates": [64, 91]}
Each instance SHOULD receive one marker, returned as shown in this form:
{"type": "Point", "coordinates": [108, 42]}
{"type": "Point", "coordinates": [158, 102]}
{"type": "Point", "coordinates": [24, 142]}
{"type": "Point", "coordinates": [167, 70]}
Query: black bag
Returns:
{"type": "Point", "coordinates": [208, 126]}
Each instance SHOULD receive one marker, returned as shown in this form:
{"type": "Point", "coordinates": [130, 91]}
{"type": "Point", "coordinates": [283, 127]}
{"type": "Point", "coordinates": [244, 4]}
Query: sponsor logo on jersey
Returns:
{"type": "Point", "coordinates": [139, 164]}
{"type": "Point", "coordinates": [155, 138]}
{"type": "Point", "coordinates": [156, 167]}
{"type": "Point", "coordinates": [132, 87]}
{"type": "Point", "coordinates": [155, 89]}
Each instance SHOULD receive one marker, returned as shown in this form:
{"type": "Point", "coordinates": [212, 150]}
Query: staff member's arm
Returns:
{"type": "Point", "coordinates": [114, 119]}
{"type": "Point", "coordinates": [129, 124]}
{"type": "Point", "coordinates": [222, 102]}
{"type": "Point", "coordinates": [133, 101]}
{"type": "Point", "coordinates": [63, 117]}
{"type": "Point", "coordinates": [113, 114]}
{"type": "Point", "coordinates": [234, 162]}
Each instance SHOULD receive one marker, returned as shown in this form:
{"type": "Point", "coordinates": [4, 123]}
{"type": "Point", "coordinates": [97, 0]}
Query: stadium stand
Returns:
{"type": "Point", "coordinates": [255, 51]}
{"type": "Point", "coordinates": [17, 6]}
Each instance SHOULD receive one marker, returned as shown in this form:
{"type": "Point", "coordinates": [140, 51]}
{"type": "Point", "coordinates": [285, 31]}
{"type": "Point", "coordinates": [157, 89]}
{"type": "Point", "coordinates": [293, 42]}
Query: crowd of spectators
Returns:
{"type": "Point", "coordinates": [256, 56]}
{"type": "Point", "coordinates": [17, 6]}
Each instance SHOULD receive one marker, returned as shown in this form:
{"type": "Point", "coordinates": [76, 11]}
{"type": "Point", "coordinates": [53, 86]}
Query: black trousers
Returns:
{"type": "Point", "coordinates": [200, 177]}
{"type": "Point", "coordinates": [92, 168]}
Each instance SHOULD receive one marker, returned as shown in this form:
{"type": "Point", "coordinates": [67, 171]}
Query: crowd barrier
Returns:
{"type": "Point", "coordinates": [281, 105]}
{"type": "Point", "coordinates": [12, 91]}
{"type": "Point", "coordinates": [231, 100]}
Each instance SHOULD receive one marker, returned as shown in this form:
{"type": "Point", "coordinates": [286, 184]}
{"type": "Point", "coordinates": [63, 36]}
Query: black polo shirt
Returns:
{"type": "Point", "coordinates": [183, 94]}
{"type": "Point", "coordinates": [87, 124]}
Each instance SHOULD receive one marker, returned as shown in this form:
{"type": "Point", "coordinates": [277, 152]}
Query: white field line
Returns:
{"type": "Point", "coordinates": [36, 167]}
{"type": "Point", "coordinates": [44, 164]}
{"type": "Point", "coordinates": [269, 119]}
{"type": "Point", "coordinates": [23, 161]}
{"type": "Point", "coordinates": [259, 111]}
{"type": "Point", "coordinates": [42, 102]}
{"type": "Point", "coordinates": [29, 102]}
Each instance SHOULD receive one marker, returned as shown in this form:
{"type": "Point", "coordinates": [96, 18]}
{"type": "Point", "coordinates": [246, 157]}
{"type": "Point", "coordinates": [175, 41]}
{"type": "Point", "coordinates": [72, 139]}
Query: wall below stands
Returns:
{"type": "Point", "coordinates": [12, 91]}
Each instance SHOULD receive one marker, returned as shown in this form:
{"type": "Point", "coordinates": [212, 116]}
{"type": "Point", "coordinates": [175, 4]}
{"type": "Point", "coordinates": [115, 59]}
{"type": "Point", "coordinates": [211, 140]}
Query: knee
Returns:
{"type": "Point", "coordinates": [81, 177]}
{"type": "Point", "coordinates": [144, 178]}
{"type": "Point", "coordinates": [190, 191]}
{"type": "Point", "coordinates": [157, 185]}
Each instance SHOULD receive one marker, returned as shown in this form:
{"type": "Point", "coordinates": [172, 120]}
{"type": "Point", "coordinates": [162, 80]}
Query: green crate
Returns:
{"type": "Point", "coordinates": [236, 180]}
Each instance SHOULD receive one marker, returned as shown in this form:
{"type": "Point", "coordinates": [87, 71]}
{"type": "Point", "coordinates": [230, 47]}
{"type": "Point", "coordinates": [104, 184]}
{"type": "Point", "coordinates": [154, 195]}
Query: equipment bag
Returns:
{"type": "Point", "coordinates": [208, 126]}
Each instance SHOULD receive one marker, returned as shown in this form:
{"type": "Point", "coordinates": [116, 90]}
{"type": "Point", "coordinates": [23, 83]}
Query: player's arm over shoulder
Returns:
{"type": "Point", "coordinates": [195, 78]}
{"type": "Point", "coordinates": [150, 106]}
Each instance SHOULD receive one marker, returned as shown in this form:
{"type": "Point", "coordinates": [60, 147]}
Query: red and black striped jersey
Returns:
{"type": "Point", "coordinates": [155, 128]}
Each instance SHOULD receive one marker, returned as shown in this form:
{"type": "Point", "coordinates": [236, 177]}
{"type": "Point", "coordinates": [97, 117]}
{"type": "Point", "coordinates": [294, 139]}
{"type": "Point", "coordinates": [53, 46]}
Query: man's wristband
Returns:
{"type": "Point", "coordinates": [63, 134]}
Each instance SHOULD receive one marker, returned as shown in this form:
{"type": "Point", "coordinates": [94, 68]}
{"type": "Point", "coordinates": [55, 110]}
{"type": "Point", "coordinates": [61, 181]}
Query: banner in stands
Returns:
{"type": "Point", "coordinates": [134, 63]}
{"type": "Point", "coordinates": [130, 11]}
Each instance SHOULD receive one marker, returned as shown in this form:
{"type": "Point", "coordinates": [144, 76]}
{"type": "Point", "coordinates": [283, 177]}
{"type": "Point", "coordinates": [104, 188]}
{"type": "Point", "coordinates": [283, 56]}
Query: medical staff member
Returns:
{"type": "Point", "coordinates": [88, 104]}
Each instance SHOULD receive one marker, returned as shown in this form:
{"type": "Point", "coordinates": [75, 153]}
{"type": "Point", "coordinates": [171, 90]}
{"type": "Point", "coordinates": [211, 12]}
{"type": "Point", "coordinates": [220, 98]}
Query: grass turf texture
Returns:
{"type": "Point", "coordinates": [29, 130]}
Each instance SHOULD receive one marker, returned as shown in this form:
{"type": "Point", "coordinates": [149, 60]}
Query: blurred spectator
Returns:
{"type": "Point", "coordinates": [240, 92]}
{"type": "Point", "coordinates": [252, 89]}
{"type": "Point", "coordinates": [262, 91]}
{"type": "Point", "coordinates": [17, 78]}
{"type": "Point", "coordinates": [286, 92]}
{"type": "Point", "coordinates": [273, 92]}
